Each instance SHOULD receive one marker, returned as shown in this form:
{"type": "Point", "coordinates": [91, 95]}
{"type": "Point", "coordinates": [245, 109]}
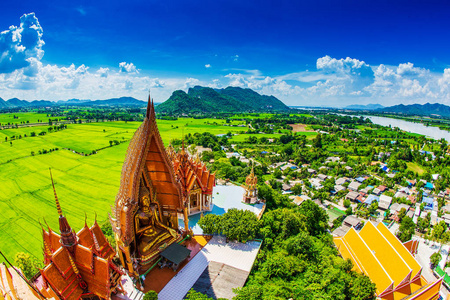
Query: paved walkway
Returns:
{"type": "Point", "coordinates": [236, 255]}
{"type": "Point", "coordinates": [424, 252]}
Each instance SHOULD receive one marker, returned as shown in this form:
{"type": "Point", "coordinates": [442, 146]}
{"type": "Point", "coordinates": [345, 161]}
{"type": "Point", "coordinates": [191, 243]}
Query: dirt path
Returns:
{"type": "Point", "coordinates": [300, 128]}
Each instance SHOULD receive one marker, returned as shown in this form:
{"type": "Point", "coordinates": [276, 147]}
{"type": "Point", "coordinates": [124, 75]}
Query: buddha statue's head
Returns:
{"type": "Point", "coordinates": [144, 196]}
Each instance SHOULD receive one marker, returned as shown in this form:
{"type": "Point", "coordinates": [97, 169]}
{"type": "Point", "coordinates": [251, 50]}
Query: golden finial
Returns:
{"type": "Point", "coordinates": [72, 263]}
{"type": "Point", "coordinates": [58, 207]}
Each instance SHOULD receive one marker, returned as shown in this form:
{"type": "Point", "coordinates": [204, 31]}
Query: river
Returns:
{"type": "Point", "coordinates": [429, 131]}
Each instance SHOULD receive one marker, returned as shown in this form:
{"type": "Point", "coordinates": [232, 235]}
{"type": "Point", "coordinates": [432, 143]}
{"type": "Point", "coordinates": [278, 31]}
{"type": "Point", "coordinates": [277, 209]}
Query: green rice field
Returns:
{"type": "Point", "coordinates": [85, 184]}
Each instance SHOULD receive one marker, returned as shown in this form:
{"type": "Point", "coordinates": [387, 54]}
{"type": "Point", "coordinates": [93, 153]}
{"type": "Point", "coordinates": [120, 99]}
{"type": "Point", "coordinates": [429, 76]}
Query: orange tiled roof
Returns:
{"type": "Point", "coordinates": [91, 256]}
{"type": "Point", "coordinates": [189, 172]}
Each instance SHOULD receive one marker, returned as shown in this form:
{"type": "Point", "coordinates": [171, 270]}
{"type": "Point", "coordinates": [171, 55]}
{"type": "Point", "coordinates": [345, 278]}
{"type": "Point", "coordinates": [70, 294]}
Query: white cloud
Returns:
{"type": "Point", "coordinates": [103, 72]}
{"type": "Point", "coordinates": [128, 68]}
{"type": "Point", "coordinates": [191, 82]}
{"type": "Point", "coordinates": [21, 46]}
{"type": "Point", "coordinates": [334, 82]}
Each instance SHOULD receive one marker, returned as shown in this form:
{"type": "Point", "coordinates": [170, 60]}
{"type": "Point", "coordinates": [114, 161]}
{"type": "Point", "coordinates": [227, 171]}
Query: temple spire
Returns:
{"type": "Point", "coordinates": [150, 106]}
{"type": "Point", "coordinates": [68, 237]}
{"type": "Point", "coordinates": [58, 206]}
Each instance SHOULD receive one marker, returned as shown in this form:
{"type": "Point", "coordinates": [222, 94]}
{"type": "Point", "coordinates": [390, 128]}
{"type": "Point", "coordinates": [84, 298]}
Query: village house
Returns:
{"type": "Point", "coordinates": [354, 186]}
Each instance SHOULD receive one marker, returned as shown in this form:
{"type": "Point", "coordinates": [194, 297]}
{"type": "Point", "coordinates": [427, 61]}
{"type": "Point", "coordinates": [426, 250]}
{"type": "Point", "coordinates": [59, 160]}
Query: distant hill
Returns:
{"type": "Point", "coordinates": [364, 107]}
{"type": "Point", "coordinates": [123, 101]}
{"type": "Point", "coordinates": [418, 109]}
{"type": "Point", "coordinates": [3, 103]}
{"type": "Point", "coordinates": [207, 100]}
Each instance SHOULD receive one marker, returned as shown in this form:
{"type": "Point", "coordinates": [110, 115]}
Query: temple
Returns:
{"type": "Point", "coordinates": [377, 253]}
{"type": "Point", "coordinates": [251, 188]}
{"type": "Point", "coordinates": [78, 265]}
{"type": "Point", "coordinates": [145, 215]}
{"type": "Point", "coordinates": [196, 182]}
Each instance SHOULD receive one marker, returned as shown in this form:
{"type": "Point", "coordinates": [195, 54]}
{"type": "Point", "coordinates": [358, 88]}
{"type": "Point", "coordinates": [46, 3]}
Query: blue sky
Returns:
{"type": "Point", "coordinates": [330, 53]}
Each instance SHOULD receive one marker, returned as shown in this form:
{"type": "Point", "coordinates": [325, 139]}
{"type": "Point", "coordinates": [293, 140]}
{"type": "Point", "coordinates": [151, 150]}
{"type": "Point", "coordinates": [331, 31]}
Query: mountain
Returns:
{"type": "Point", "coordinates": [418, 109]}
{"type": "Point", "coordinates": [364, 107]}
{"type": "Point", "coordinates": [207, 100]}
{"type": "Point", "coordinates": [253, 99]}
{"type": "Point", "coordinates": [123, 101]}
{"type": "Point", "coordinates": [3, 103]}
{"type": "Point", "coordinates": [14, 102]}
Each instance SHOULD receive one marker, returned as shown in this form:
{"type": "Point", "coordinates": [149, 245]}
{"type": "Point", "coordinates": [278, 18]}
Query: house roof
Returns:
{"type": "Point", "coordinates": [354, 185]}
{"type": "Point", "coordinates": [371, 198]}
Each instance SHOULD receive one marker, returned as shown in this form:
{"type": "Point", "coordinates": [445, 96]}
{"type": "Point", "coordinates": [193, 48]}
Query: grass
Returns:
{"type": "Point", "coordinates": [415, 168]}
{"type": "Point", "coordinates": [24, 117]}
{"type": "Point", "coordinates": [334, 213]}
{"type": "Point", "coordinates": [85, 184]}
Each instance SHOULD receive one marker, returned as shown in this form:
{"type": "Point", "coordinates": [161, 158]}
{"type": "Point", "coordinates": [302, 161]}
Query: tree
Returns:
{"type": "Point", "coordinates": [151, 295]}
{"type": "Point", "coordinates": [240, 225]}
{"type": "Point", "coordinates": [316, 218]}
{"type": "Point", "coordinates": [28, 264]}
{"type": "Point", "coordinates": [297, 189]}
{"type": "Point", "coordinates": [194, 295]}
{"type": "Point", "coordinates": [401, 214]}
{"type": "Point", "coordinates": [435, 258]}
{"type": "Point", "coordinates": [361, 288]}
{"type": "Point", "coordinates": [347, 203]}
{"type": "Point", "coordinates": [210, 223]}
{"type": "Point", "coordinates": [406, 230]}
{"type": "Point", "coordinates": [349, 211]}
{"type": "Point", "coordinates": [317, 142]}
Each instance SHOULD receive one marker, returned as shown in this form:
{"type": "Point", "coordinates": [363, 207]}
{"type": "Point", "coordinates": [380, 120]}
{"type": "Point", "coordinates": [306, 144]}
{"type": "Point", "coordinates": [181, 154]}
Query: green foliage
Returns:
{"type": "Point", "coordinates": [235, 224]}
{"type": "Point", "coordinates": [194, 295]}
{"type": "Point", "coordinates": [406, 229]}
{"type": "Point", "coordinates": [435, 258]}
{"type": "Point", "coordinates": [150, 295]}
{"type": "Point", "coordinates": [347, 203]}
{"type": "Point", "coordinates": [316, 217]}
{"type": "Point", "coordinates": [240, 225]}
{"type": "Point", "coordinates": [201, 100]}
{"type": "Point", "coordinates": [362, 288]}
{"type": "Point", "coordinates": [28, 264]}
{"type": "Point", "coordinates": [293, 263]}
{"type": "Point", "coordinates": [210, 223]}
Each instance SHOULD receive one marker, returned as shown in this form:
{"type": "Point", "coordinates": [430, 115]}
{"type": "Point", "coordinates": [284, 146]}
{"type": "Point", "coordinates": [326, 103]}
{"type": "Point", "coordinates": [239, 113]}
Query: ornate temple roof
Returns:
{"type": "Point", "coordinates": [77, 264]}
{"type": "Point", "coordinates": [146, 157]}
{"type": "Point", "coordinates": [189, 171]}
{"type": "Point", "coordinates": [377, 253]}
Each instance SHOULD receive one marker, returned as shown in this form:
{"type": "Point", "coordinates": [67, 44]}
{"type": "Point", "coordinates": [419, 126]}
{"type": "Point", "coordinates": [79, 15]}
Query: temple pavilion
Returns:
{"type": "Point", "coordinates": [77, 265]}
{"type": "Point", "coordinates": [377, 253]}
{"type": "Point", "coordinates": [196, 182]}
{"type": "Point", "coordinates": [145, 215]}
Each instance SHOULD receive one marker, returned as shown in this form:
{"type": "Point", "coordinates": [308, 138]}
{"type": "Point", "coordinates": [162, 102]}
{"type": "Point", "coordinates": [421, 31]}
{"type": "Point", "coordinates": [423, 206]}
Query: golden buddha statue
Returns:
{"type": "Point", "coordinates": [150, 232]}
